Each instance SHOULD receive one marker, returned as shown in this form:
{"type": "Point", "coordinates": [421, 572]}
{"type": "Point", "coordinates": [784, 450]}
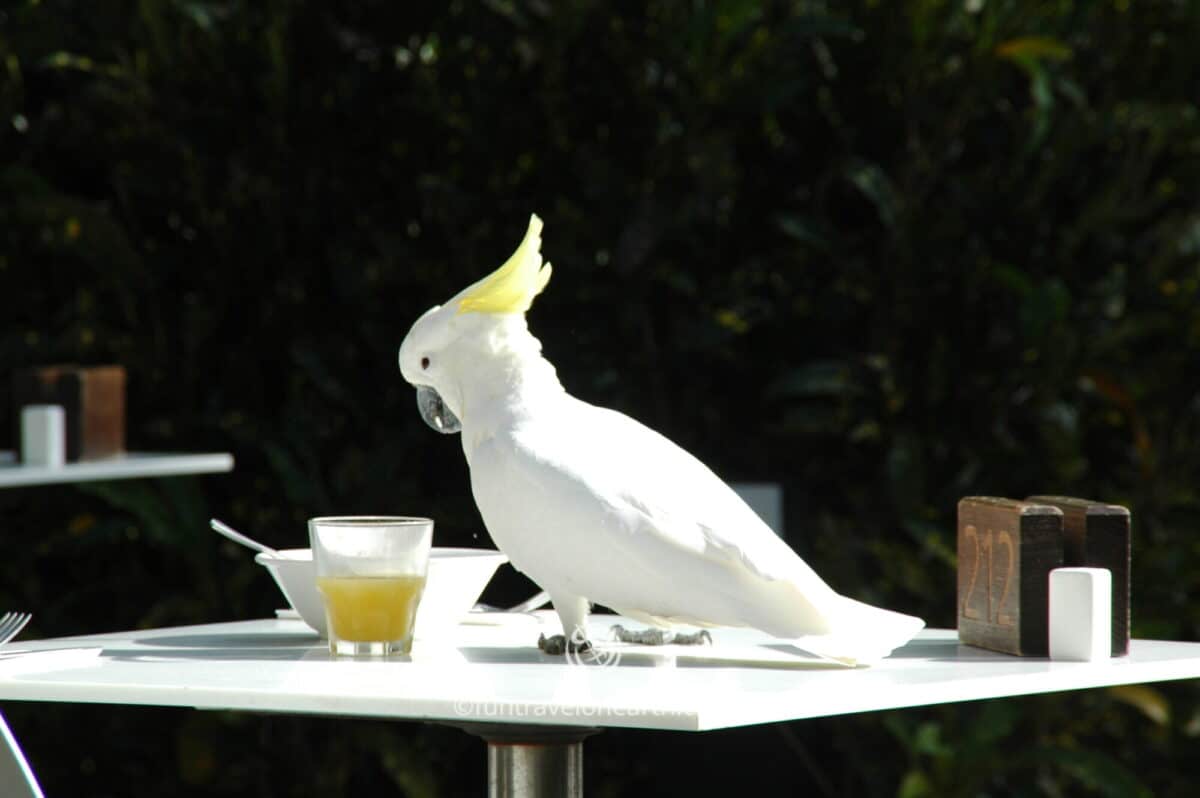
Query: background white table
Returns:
{"type": "Point", "coordinates": [127, 465]}
{"type": "Point", "coordinates": [492, 680]}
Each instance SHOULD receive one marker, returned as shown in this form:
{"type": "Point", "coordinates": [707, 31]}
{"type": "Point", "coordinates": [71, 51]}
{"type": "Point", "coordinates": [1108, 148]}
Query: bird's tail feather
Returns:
{"type": "Point", "coordinates": [862, 634]}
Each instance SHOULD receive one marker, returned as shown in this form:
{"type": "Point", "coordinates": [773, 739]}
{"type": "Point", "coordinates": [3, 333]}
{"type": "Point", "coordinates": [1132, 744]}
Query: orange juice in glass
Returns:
{"type": "Point", "coordinates": [370, 571]}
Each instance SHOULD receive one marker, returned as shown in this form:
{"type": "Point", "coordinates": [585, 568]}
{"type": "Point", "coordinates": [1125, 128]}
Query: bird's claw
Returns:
{"type": "Point", "coordinates": [660, 637]}
{"type": "Point", "coordinates": [557, 645]}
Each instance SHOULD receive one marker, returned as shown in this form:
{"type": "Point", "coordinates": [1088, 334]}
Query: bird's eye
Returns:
{"type": "Point", "coordinates": [424, 362]}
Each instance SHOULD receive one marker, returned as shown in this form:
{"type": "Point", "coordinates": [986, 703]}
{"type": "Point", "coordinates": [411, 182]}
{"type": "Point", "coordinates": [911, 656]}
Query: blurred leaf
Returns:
{"type": "Point", "coordinates": [1096, 771]}
{"type": "Point", "coordinates": [915, 785]}
{"type": "Point", "coordinates": [928, 741]}
{"type": "Point", "coordinates": [870, 179]}
{"type": "Point", "coordinates": [1147, 700]}
{"type": "Point", "coordinates": [1028, 49]}
{"type": "Point", "coordinates": [64, 60]}
{"type": "Point", "coordinates": [803, 230]}
{"type": "Point", "coordinates": [820, 378]}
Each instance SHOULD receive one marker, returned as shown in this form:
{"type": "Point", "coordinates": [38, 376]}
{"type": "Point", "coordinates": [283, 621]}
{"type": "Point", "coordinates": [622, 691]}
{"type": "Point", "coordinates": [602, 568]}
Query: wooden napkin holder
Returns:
{"type": "Point", "coordinates": [1096, 535]}
{"type": "Point", "coordinates": [1006, 550]}
{"type": "Point", "coordinates": [93, 401]}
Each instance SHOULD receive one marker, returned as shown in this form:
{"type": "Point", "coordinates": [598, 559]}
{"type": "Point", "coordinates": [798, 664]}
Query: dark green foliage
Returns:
{"type": "Point", "coordinates": [888, 254]}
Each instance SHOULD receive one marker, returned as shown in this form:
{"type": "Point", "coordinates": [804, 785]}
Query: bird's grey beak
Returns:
{"type": "Point", "coordinates": [435, 412]}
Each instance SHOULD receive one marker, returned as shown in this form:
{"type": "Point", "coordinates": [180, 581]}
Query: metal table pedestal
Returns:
{"type": "Point", "coordinates": [533, 761]}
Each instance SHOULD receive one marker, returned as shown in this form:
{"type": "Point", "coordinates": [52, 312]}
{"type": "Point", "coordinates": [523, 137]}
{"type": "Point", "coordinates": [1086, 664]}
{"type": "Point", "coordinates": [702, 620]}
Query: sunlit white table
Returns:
{"type": "Point", "coordinates": [534, 710]}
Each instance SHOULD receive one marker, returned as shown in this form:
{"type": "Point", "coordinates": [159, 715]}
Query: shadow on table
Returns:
{"type": "Point", "coordinates": [950, 651]}
{"type": "Point", "coordinates": [219, 647]}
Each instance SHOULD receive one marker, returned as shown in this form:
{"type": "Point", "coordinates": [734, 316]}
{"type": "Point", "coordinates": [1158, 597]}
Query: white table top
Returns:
{"type": "Point", "coordinates": [122, 466]}
{"type": "Point", "coordinates": [495, 674]}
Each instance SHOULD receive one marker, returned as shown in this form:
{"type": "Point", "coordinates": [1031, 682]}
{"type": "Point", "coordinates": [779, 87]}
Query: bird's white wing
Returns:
{"type": "Point", "coordinates": [593, 503]}
{"type": "Point", "coordinates": [588, 502]}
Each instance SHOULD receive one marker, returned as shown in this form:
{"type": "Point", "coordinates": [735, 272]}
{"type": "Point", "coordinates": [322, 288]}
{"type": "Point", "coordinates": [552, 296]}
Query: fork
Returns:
{"type": "Point", "coordinates": [11, 624]}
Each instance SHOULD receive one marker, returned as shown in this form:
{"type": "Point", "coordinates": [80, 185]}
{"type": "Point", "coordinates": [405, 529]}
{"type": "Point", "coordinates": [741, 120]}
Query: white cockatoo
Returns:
{"type": "Point", "coordinates": [596, 507]}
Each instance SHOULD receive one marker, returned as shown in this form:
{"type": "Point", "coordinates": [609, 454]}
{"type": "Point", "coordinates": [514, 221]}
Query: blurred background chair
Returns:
{"type": "Point", "coordinates": [765, 499]}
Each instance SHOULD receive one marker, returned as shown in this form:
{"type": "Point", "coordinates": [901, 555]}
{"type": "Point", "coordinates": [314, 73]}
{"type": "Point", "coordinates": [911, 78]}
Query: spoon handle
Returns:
{"type": "Point", "coordinates": [238, 537]}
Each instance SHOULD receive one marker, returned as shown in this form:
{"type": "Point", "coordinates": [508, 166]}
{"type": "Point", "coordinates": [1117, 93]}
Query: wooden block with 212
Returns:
{"type": "Point", "coordinates": [1006, 550]}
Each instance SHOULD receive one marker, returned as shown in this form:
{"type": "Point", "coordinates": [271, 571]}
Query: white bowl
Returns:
{"type": "Point", "coordinates": [455, 580]}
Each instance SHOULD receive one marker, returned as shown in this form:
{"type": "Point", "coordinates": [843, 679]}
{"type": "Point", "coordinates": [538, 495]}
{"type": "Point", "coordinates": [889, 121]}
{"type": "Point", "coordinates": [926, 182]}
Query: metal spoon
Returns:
{"type": "Point", "coordinates": [238, 537]}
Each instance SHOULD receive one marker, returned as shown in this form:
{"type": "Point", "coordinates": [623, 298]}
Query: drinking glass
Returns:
{"type": "Point", "coordinates": [370, 572]}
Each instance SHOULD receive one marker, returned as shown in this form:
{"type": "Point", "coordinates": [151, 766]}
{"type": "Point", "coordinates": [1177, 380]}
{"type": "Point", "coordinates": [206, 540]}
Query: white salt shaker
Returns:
{"type": "Point", "coordinates": [43, 435]}
{"type": "Point", "coordinates": [1080, 614]}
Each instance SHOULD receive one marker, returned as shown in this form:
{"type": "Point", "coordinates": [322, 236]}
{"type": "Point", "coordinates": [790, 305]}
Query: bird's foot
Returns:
{"type": "Point", "coordinates": [660, 637]}
{"type": "Point", "coordinates": [557, 645]}
{"type": "Point", "coordinates": [692, 638]}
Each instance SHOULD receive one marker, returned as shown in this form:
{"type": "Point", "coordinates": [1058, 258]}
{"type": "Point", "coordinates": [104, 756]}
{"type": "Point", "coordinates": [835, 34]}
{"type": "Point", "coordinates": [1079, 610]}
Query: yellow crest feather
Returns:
{"type": "Point", "coordinates": [512, 287]}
